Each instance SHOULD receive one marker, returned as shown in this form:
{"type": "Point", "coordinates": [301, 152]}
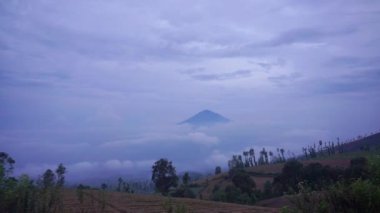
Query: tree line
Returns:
{"type": "Point", "coordinates": [23, 194]}
{"type": "Point", "coordinates": [250, 159]}
{"type": "Point", "coordinates": [318, 188]}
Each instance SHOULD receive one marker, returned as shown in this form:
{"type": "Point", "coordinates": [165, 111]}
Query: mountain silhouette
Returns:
{"type": "Point", "coordinates": [205, 118]}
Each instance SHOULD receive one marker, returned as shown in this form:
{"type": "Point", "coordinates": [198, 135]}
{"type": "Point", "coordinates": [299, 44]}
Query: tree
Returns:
{"type": "Point", "coordinates": [119, 184]}
{"type": "Point", "coordinates": [60, 171]}
{"type": "Point", "coordinates": [271, 156]}
{"type": "Point", "coordinates": [242, 180]}
{"type": "Point", "coordinates": [290, 176]}
{"type": "Point", "coordinates": [186, 179]}
{"type": "Point", "coordinates": [48, 179]}
{"type": "Point", "coordinates": [282, 154]}
{"type": "Point", "coordinates": [6, 165]}
{"type": "Point", "coordinates": [252, 157]}
{"type": "Point", "coordinates": [164, 176]}
{"type": "Point", "coordinates": [218, 170]}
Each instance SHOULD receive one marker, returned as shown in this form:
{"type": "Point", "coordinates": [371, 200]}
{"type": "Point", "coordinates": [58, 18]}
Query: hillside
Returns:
{"type": "Point", "coordinates": [260, 174]}
{"type": "Point", "coordinates": [263, 175]}
{"type": "Point", "coordinates": [122, 202]}
{"type": "Point", "coordinates": [371, 142]}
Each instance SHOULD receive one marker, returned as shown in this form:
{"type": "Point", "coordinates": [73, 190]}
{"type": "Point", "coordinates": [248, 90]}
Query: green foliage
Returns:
{"type": "Point", "coordinates": [307, 200]}
{"type": "Point", "coordinates": [23, 195]}
{"type": "Point", "coordinates": [171, 207]}
{"type": "Point", "coordinates": [164, 176]}
{"type": "Point", "coordinates": [374, 168]}
{"type": "Point", "coordinates": [123, 186]}
{"type": "Point", "coordinates": [235, 195]}
{"type": "Point", "coordinates": [183, 191]}
{"type": "Point", "coordinates": [358, 196]}
{"type": "Point", "coordinates": [240, 192]}
{"type": "Point", "coordinates": [289, 178]}
{"type": "Point", "coordinates": [354, 197]}
{"type": "Point", "coordinates": [186, 178]}
{"type": "Point", "coordinates": [60, 171]}
{"type": "Point", "coordinates": [268, 190]}
{"type": "Point", "coordinates": [242, 180]}
{"type": "Point", "coordinates": [358, 169]}
{"type": "Point", "coordinates": [357, 191]}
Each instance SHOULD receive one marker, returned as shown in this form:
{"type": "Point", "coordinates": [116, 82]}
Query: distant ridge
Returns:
{"type": "Point", "coordinates": [205, 118]}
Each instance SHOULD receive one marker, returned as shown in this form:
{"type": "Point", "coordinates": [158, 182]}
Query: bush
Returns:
{"type": "Point", "coordinates": [358, 169]}
{"type": "Point", "coordinates": [289, 178]}
{"type": "Point", "coordinates": [183, 191]}
{"type": "Point", "coordinates": [242, 180]}
{"type": "Point", "coordinates": [355, 197]}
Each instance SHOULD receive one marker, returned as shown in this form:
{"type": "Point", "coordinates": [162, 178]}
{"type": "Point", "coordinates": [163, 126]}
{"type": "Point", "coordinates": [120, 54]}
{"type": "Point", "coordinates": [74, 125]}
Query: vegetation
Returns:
{"type": "Point", "coordinates": [184, 189]}
{"type": "Point", "coordinates": [311, 186]}
{"type": "Point", "coordinates": [265, 157]}
{"type": "Point", "coordinates": [241, 191]}
{"type": "Point", "coordinates": [164, 176]}
{"type": "Point", "coordinates": [123, 186]}
{"type": "Point", "coordinates": [24, 195]}
{"type": "Point", "coordinates": [334, 190]}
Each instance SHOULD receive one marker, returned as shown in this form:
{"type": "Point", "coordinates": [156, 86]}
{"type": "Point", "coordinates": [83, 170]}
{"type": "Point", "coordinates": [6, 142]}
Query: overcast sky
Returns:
{"type": "Point", "coordinates": [101, 85]}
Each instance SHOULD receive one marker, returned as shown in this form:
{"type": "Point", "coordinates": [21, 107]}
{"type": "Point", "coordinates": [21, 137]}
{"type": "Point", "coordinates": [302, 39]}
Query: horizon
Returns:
{"type": "Point", "coordinates": [100, 86]}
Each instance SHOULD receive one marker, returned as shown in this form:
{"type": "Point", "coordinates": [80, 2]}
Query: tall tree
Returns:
{"type": "Point", "coordinates": [246, 160]}
{"type": "Point", "coordinates": [282, 154]}
{"type": "Point", "coordinates": [186, 179]}
{"type": "Point", "coordinates": [252, 158]}
{"type": "Point", "coordinates": [48, 179]}
{"type": "Point", "coordinates": [60, 172]}
{"type": "Point", "coordinates": [164, 176]}
{"type": "Point", "coordinates": [120, 183]}
{"type": "Point", "coordinates": [271, 156]}
{"type": "Point", "coordinates": [6, 164]}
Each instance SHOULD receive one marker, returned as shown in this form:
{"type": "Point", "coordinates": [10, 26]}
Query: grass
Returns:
{"type": "Point", "coordinates": [122, 202]}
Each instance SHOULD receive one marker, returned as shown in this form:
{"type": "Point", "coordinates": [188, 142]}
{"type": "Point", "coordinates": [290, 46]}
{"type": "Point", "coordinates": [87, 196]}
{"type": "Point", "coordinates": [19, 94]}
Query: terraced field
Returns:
{"type": "Point", "coordinates": [95, 201]}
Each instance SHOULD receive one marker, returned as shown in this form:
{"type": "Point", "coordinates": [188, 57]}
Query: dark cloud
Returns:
{"type": "Point", "coordinates": [223, 76]}
{"type": "Point", "coordinates": [267, 66]}
{"type": "Point", "coordinates": [355, 62]}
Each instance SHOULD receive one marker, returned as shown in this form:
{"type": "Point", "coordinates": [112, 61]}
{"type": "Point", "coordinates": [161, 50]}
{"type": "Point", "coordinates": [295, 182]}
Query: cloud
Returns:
{"type": "Point", "coordinates": [217, 159]}
{"type": "Point", "coordinates": [353, 62]}
{"type": "Point", "coordinates": [202, 138]}
{"type": "Point", "coordinates": [223, 76]}
{"type": "Point", "coordinates": [283, 80]}
{"type": "Point", "coordinates": [165, 138]}
{"type": "Point", "coordinates": [306, 35]}
{"type": "Point", "coordinates": [78, 170]}
{"type": "Point", "coordinates": [79, 86]}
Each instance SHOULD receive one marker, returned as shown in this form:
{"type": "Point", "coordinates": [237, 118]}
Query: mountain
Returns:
{"type": "Point", "coordinates": [205, 118]}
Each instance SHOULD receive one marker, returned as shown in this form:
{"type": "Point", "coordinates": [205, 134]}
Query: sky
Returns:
{"type": "Point", "coordinates": [100, 86]}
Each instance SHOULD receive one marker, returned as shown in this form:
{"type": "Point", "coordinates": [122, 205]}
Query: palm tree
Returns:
{"type": "Point", "coordinates": [252, 154]}
{"type": "Point", "coordinates": [246, 162]}
{"type": "Point", "coordinates": [265, 153]}
{"type": "Point", "coordinates": [282, 154]}
{"type": "Point", "coordinates": [271, 156]}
